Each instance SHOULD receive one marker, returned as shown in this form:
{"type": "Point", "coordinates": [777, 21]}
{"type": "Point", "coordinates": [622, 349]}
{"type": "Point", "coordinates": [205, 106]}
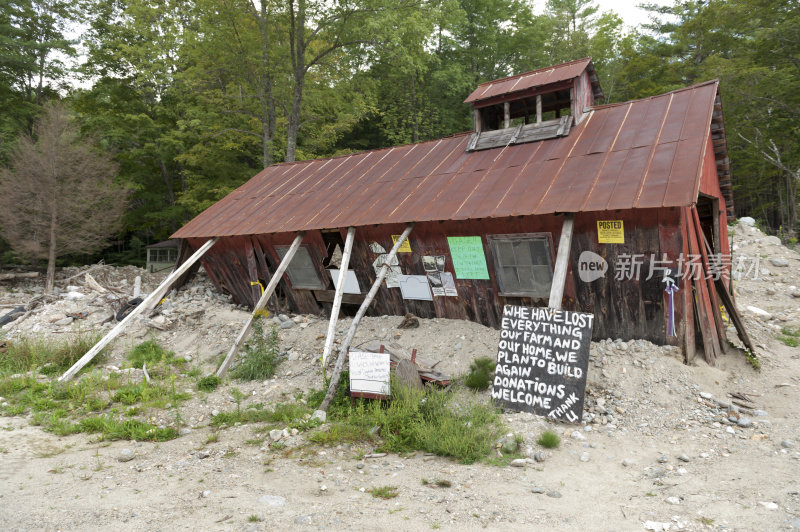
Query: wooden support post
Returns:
{"type": "Point", "coordinates": [476, 113]}
{"type": "Point", "coordinates": [276, 277]}
{"type": "Point", "coordinates": [337, 298]}
{"type": "Point", "coordinates": [337, 370]}
{"type": "Point", "coordinates": [85, 359]}
{"type": "Point", "coordinates": [538, 109]}
{"type": "Point", "coordinates": [506, 115]}
{"type": "Point", "coordinates": [562, 262]}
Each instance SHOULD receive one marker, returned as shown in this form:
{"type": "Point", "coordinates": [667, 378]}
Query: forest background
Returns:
{"type": "Point", "coordinates": [193, 97]}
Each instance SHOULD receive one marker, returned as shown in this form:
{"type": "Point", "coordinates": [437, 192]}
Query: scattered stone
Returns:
{"type": "Point", "coordinates": [272, 501]}
{"type": "Point", "coordinates": [769, 505]}
{"type": "Point", "coordinates": [759, 312]}
{"type": "Point", "coordinates": [63, 321]}
{"type": "Point", "coordinates": [360, 465]}
{"type": "Point", "coordinates": [288, 324]}
{"type": "Point", "coordinates": [518, 462]}
{"type": "Point", "coordinates": [748, 221]}
{"type": "Point", "coordinates": [730, 430]}
{"type": "Point", "coordinates": [663, 459]}
{"type": "Point", "coordinates": [185, 431]}
{"type": "Point", "coordinates": [772, 241]}
{"type": "Point", "coordinates": [684, 458]}
{"type": "Point", "coordinates": [706, 395]}
{"type": "Point", "coordinates": [126, 455]}
{"type": "Point", "coordinates": [303, 519]}
{"type": "Point", "coordinates": [656, 526]}
{"type": "Point", "coordinates": [780, 263]}
{"type": "Point", "coordinates": [584, 457]}
{"type": "Point", "coordinates": [673, 500]}
{"type": "Point", "coordinates": [275, 434]}
{"type": "Point", "coordinates": [204, 494]}
{"type": "Point", "coordinates": [554, 494]}
{"type": "Point", "coordinates": [283, 317]}
{"type": "Point", "coordinates": [628, 462]}
{"type": "Point", "coordinates": [744, 422]}
{"type": "Point", "coordinates": [577, 435]}
{"type": "Point", "coordinates": [537, 489]}
{"type": "Point", "coordinates": [787, 444]}
{"type": "Point", "coordinates": [321, 415]}
{"type": "Point", "coordinates": [203, 454]}
{"type": "Point", "coordinates": [540, 456]}
{"type": "Point", "coordinates": [409, 322]}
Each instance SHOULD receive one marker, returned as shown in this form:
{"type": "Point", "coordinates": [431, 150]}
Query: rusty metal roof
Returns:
{"type": "Point", "coordinates": [529, 80]}
{"type": "Point", "coordinates": [639, 154]}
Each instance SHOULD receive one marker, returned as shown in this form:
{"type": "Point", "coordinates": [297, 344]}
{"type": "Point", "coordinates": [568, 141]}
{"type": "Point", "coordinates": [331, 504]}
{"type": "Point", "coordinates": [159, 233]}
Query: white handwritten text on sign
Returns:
{"type": "Point", "coordinates": [369, 372]}
{"type": "Point", "coordinates": [542, 359]}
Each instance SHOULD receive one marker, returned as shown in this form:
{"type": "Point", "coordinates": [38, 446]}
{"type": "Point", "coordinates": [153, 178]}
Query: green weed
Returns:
{"type": "Point", "coordinates": [384, 492]}
{"type": "Point", "coordinates": [481, 372]}
{"type": "Point", "coordinates": [151, 353]}
{"type": "Point", "coordinates": [50, 357]}
{"type": "Point", "coordinates": [549, 440]}
{"type": "Point", "coordinates": [260, 359]}
{"type": "Point", "coordinates": [208, 383]}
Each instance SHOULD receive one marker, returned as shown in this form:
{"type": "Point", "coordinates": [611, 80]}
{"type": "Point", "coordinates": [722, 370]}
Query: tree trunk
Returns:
{"type": "Point", "coordinates": [51, 254]}
{"type": "Point", "coordinates": [294, 118]}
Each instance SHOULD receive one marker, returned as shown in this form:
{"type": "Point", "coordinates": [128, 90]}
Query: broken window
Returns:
{"type": "Point", "coordinates": [524, 264]}
{"type": "Point", "coordinates": [302, 271]}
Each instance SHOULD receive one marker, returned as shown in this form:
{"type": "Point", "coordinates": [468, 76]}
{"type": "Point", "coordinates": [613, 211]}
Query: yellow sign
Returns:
{"type": "Point", "coordinates": [610, 232]}
{"type": "Point", "coordinates": [406, 247]}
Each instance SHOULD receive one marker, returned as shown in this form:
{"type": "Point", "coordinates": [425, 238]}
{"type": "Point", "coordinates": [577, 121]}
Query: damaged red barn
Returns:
{"type": "Point", "coordinates": [641, 185]}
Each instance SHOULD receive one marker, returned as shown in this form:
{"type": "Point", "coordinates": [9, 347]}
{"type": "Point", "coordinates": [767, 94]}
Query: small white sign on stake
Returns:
{"type": "Point", "coordinates": [369, 373]}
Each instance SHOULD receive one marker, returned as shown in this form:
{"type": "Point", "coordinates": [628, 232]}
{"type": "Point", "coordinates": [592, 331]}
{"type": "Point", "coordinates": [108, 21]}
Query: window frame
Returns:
{"type": "Point", "coordinates": [314, 262]}
{"type": "Point", "coordinates": [498, 266]}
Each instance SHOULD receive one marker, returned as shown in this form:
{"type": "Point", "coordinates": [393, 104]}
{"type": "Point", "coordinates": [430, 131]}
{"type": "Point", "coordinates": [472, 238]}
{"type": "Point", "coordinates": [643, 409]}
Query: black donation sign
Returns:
{"type": "Point", "coordinates": [542, 360]}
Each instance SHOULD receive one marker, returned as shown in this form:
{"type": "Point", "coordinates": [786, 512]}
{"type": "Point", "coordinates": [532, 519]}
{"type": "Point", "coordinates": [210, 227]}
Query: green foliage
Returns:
{"type": "Point", "coordinates": [208, 383]}
{"type": "Point", "coordinates": [384, 492]}
{"type": "Point", "coordinates": [260, 359]}
{"type": "Point", "coordinates": [752, 359]}
{"type": "Point", "coordinates": [549, 440]}
{"type": "Point", "coordinates": [150, 352]}
{"type": "Point", "coordinates": [458, 426]}
{"type": "Point", "coordinates": [47, 355]}
{"type": "Point", "coordinates": [481, 372]}
{"type": "Point", "coordinates": [292, 415]}
{"type": "Point", "coordinates": [789, 337]}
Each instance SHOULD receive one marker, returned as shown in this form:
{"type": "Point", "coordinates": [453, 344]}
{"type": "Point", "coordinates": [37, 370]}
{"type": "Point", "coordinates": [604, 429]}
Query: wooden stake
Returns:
{"type": "Point", "coordinates": [337, 298]}
{"type": "Point", "coordinates": [337, 371]}
{"type": "Point", "coordinates": [538, 109]}
{"type": "Point", "coordinates": [562, 262]}
{"type": "Point", "coordinates": [85, 359]}
{"type": "Point", "coordinates": [273, 283]}
{"type": "Point", "coordinates": [506, 115]}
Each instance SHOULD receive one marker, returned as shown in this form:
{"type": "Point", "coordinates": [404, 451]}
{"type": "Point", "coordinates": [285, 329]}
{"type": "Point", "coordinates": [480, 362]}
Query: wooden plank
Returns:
{"type": "Point", "coordinates": [562, 262]}
{"type": "Point", "coordinates": [712, 292]}
{"type": "Point", "coordinates": [327, 296]}
{"type": "Point", "coordinates": [337, 370]}
{"type": "Point", "coordinates": [261, 303]}
{"type": "Point", "coordinates": [538, 109]}
{"type": "Point", "coordinates": [705, 313]}
{"type": "Point", "coordinates": [337, 299]}
{"type": "Point", "coordinates": [85, 359]}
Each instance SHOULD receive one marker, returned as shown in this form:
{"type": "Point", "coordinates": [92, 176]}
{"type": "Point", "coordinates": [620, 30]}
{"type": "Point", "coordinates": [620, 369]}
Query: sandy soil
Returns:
{"type": "Point", "coordinates": [651, 454]}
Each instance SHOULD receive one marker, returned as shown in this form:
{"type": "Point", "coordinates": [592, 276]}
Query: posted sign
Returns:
{"type": "Point", "coordinates": [369, 373]}
{"type": "Point", "coordinates": [542, 359]}
{"type": "Point", "coordinates": [610, 232]}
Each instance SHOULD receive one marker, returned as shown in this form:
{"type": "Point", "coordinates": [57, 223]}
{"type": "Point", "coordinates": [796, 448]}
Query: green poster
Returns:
{"type": "Point", "coordinates": [469, 261]}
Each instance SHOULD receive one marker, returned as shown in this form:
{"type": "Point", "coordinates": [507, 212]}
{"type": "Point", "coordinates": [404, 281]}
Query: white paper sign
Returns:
{"type": "Point", "coordinates": [369, 372]}
{"type": "Point", "coordinates": [350, 282]}
{"type": "Point", "coordinates": [415, 287]}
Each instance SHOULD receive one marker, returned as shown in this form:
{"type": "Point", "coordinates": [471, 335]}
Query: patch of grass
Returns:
{"type": "Point", "coordinates": [444, 483]}
{"type": "Point", "coordinates": [752, 359]}
{"type": "Point", "coordinates": [212, 438]}
{"type": "Point", "coordinates": [49, 356]}
{"type": "Point", "coordinates": [110, 428]}
{"type": "Point", "coordinates": [549, 440]}
{"type": "Point", "coordinates": [260, 359]}
{"type": "Point", "coordinates": [254, 519]}
{"type": "Point", "coordinates": [705, 520]}
{"type": "Point", "coordinates": [480, 374]}
{"type": "Point", "coordinates": [788, 340]}
{"type": "Point", "coordinates": [446, 424]}
{"type": "Point", "coordinates": [384, 492]}
{"type": "Point", "coordinates": [255, 441]}
{"type": "Point", "coordinates": [292, 415]}
{"type": "Point", "coordinates": [149, 395]}
{"type": "Point", "coordinates": [150, 352]}
{"type": "Point", "coordinates": [208, 383]}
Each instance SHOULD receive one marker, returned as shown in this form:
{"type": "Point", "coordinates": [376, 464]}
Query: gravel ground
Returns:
{"type": "Point", "coordinates": [655, 451]}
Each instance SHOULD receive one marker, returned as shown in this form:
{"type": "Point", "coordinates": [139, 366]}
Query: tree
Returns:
{"type": "Point", "coordinates": [58, 195]}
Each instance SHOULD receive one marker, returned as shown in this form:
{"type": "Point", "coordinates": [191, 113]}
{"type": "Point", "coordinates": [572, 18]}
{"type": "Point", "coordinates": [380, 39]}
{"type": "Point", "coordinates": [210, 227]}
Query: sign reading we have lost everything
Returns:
{"type": "Point", "coordinates": [542, 359]}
